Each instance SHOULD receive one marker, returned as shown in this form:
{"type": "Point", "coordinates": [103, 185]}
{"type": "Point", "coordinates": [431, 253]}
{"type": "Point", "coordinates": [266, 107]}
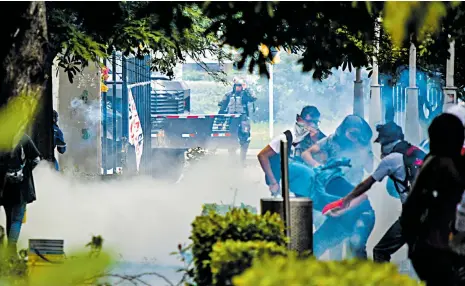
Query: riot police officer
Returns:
{"type": "Point", "coordinates": [238, 101]}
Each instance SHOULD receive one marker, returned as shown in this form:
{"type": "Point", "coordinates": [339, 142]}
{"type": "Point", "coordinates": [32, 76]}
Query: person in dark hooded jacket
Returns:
{"type": "Point", "coordinates": [17, 188]}
{"type": "Point", "coordinates": [429, 211]}
{"type": "Point", "coordinates": [352, 141]}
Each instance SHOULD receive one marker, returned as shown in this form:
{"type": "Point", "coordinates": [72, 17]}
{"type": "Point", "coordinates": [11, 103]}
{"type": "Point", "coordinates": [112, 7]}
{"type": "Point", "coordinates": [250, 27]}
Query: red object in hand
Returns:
{"type": "Point", "coordinates": [333, 205]}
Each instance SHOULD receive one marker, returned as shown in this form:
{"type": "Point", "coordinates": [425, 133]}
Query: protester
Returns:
{"type": "Point", "coordinates": [400, 161]}
{"type": "Point", "coordinates": [352, 141]}
{"type": "Point", "coordinates": [429, 210]}
{"type": "Point", "coordinates": [18, 188]}
{"type": "Point", "coordinates": [300, 175]}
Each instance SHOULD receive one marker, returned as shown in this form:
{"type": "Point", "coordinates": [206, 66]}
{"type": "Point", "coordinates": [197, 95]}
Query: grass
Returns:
{"type": "Point", "coordinates": [260, 134]}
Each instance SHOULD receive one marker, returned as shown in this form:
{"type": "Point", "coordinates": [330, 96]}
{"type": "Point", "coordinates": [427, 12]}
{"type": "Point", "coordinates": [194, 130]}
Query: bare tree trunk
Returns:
{"type": "Point", "coordinates": [23, 52]}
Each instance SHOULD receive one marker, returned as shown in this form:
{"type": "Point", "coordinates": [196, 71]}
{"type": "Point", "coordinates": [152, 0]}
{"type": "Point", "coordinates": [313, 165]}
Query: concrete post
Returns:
{"type": "Point", "coordinates": [358, 94]}
{"type": "Point", "coordinates": [450, 91]}
{"type": "Point", "coordinates": [375, 92]}
{"type": "Point", "coordinates": [412, 120]}
{"type": "Point", "coordinates": [271, 102]}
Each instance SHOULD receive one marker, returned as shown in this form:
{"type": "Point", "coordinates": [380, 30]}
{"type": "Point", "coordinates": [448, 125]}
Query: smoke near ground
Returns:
{"type": "Point", "coordinates": [139, 217]}
{"type": "Point", "coordinates": [143, 219]}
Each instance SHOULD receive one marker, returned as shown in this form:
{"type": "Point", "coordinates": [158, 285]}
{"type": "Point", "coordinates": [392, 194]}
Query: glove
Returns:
{"type": "Point", "coordinates": [337, 205]}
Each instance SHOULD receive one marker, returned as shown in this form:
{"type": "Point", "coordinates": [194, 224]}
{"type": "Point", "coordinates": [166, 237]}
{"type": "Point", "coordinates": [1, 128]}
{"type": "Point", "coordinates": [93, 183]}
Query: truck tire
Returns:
{"type": "Point", "coordinates": [168, 164]}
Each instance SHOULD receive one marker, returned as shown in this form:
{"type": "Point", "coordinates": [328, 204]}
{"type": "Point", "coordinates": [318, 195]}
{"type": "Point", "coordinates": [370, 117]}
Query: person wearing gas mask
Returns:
{"type": "Point", "coordinates": [58, 139]}
{"type": "Point", "coordinates": [400, 162]}
{"type": "Point", "coordinates": [238, 102]}
{"type": "Point", "coordinates": [350, 141]}
{"type": "Point", "coordinates": [18, 188]}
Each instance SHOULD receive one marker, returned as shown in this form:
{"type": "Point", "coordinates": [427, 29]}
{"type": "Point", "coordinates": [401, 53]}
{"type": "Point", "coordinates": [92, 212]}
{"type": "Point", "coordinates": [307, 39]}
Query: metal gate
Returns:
{"type": "Point", "coordinates": [124, 74]}
{"type": "Point", "coordinates": [430, 97]}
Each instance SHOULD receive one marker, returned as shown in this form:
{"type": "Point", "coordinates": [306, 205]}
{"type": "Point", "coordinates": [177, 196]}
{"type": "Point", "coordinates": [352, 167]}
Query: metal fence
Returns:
{"type": "Point", "coordinates": [394, 97]}
{"type": "Point", "coordinates": [124, 73]}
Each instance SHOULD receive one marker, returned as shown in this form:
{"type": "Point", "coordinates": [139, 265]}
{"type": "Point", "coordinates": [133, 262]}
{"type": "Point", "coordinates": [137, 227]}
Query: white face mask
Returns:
{"type": "Point", "coordinates": [300, 130]}
{"type": "Point", "coordinates": [387, 149]}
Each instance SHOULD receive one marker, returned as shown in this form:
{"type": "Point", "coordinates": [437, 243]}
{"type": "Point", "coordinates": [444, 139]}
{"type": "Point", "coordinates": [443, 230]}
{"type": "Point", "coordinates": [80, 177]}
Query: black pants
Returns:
{"type": "Point", "coordinates": [389, 243]}
{"type": "Point", "coordinates": [437, 267]}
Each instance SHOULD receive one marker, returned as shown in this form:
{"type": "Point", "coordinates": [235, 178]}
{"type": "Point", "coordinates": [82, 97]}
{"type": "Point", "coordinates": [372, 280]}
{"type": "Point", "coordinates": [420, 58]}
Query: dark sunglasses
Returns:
{"type": "Point", "coordinates": [315, 122]}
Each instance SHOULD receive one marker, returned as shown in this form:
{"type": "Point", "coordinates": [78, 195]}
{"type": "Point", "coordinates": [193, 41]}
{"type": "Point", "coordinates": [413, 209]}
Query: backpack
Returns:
{"type": "Point", "coordinates": [275, 160]}
{"type": "Point", "coordinates": [413, 159]}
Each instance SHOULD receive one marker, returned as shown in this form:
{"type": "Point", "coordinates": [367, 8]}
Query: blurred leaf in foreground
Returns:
{"type": "Point", "coordinates": [78, 270]}
{"type": "Point", "coordinates": [16, 116]}
{"type": "Point", "coordinates": [425, 16]}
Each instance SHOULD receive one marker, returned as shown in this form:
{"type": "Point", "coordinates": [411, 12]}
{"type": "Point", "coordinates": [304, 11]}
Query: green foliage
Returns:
{"type": "Point", "coordinates": [172, 31]}
{"type": "Point", "coordinates": [231, 258]}
{"type": "Point", "coordinates": [223, 209]}
{"type": "Point", "coordinates": [278, 271]}
{"type": "Point", "coordinates": [238, 224]}
{"type": "Point", "coordinates": [16, 117]}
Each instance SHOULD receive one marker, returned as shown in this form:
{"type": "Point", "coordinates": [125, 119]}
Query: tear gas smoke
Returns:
{"type": "Point", "coordinates": [141, 218]}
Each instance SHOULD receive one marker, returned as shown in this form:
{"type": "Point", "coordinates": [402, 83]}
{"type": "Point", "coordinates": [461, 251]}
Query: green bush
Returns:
{"type": "Point", "coordinates": [231, 258]}
{"type": "Point", "coordinates": [238, 224]}
{"type": "Point", "coordinates": [278, 271]}
{"type": "Point", "coordinates": [222, 209]}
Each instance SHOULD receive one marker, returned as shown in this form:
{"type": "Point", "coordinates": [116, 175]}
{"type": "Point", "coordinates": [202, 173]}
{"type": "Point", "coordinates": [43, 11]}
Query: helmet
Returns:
{"type": "Point", "coordinates": [239, 81]}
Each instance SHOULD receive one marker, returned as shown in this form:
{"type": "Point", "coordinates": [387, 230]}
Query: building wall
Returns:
{"type": "Point", "coordinates": [76, 116]}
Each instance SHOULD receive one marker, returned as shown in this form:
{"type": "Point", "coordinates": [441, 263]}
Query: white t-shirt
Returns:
{"type": "Point", "coordinates": [275, 143]}
{"type": "Point", "coordinates": [392, 165]}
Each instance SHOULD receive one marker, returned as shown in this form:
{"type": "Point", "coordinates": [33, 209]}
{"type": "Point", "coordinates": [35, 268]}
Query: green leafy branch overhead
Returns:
{"type": "Point", "coordinates": [171, 31]}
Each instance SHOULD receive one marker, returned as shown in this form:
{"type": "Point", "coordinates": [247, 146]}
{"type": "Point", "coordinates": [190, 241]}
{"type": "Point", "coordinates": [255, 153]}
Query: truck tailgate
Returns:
{"type": "Point", "coordinates": [189, 131]}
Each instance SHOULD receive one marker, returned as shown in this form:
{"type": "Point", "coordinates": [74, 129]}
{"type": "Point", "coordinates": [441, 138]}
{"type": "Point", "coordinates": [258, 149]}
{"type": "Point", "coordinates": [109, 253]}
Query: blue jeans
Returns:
{"type": "Point", "coordinates": [355, 226]}
{"type": "Point", "coordinates": [14, 221]}
{"type": "Point", "coordinates": [301, 177]}
{"type": "Point", "coordinates": [337, 229]}
{"type": "Point", "coordinates": [335, 253]}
